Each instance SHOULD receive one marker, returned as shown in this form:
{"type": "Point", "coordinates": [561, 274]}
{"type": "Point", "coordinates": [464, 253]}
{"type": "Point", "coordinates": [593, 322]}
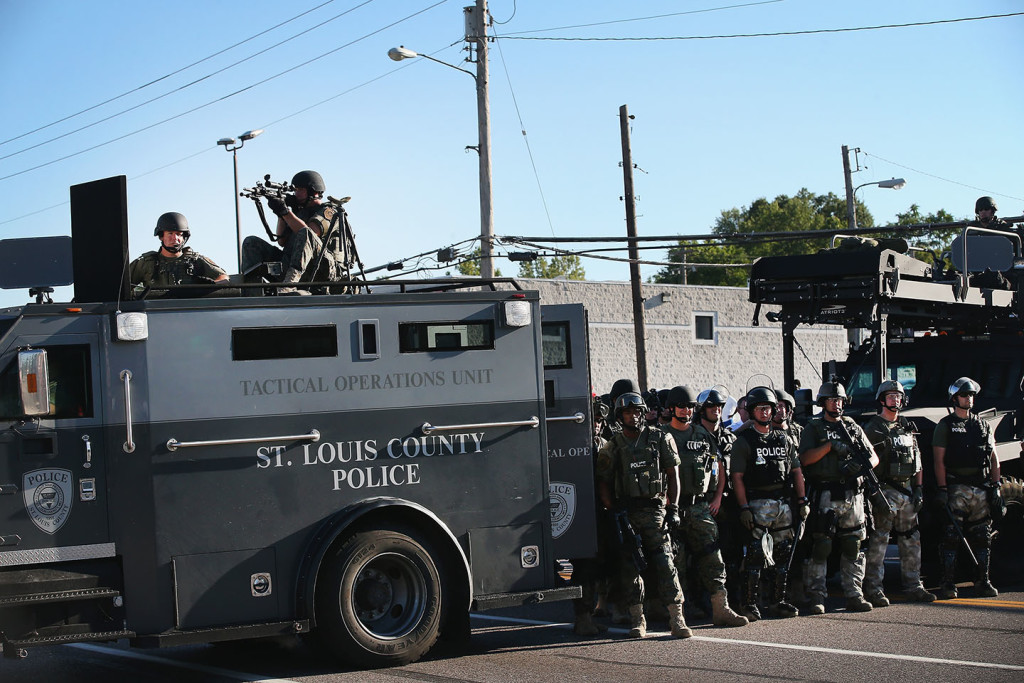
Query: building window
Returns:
{"type": "Point", "coordinates": [705, 328]}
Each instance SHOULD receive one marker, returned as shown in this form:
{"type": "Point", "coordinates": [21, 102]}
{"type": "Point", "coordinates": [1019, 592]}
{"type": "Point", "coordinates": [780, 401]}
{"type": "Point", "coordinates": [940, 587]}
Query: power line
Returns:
{"type": "Point", "coordinates": [947, 180]}
{"type": "Point", "coordinates": [164, 77]}
{"type": "Point", "coordinates": [222, 98]}
{"type": "Point", "coordinates": [656, 16]}
{"type": "Point", "coordinates": [526, 140]}
{"type": "Point", "coordinates": [774, 34]}
{"type": "Point", "coordinates": [187, 85]}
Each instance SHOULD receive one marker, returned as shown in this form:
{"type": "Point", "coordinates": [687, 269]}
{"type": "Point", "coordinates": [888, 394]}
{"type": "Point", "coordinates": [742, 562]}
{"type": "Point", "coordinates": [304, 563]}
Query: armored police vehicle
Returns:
{"type": "Point", "coordinates": [915, 322]}
{"type": "Point", "coordinates": [364, 468]}
{"type": "Point", "coordinates": [921, 323]}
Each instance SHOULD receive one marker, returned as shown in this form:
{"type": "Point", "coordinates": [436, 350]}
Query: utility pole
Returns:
{"type": "Point", "coordinates": [851, 207]}
{"type": "Point", "coordinates": [476, 36]}
{"type": "Point", "coordinates": [634, 267]}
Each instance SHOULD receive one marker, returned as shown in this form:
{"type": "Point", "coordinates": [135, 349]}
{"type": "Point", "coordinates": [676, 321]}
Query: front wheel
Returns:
{"type": "Point", "coordinates": [379, 597]}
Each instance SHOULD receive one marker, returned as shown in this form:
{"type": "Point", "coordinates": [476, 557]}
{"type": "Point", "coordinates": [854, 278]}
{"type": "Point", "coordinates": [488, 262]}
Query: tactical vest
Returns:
{"type": "Point", "coordinates": [697, 461]}
{"type": "Point", "coordinates": [897, 453]}
{"type": "Point", "coordinates": [168, 272]}
{"type": "Point", "coordinates": [827, 469]}
{"type": "Point", "coordinates": [967, 454]}
{"type": "Point", "coordinates": [638, 473]}
{"type": "Point", "coordinates": [769, 463]}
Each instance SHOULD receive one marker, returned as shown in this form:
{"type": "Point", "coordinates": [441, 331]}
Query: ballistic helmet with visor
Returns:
{"type": "Point", "coordinates": [963, 386]}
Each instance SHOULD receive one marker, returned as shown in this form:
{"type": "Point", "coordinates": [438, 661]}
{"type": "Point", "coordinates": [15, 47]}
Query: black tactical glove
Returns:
{"type": "Point", "coordinates": [277, 205]}
{"type": "Point", "coordinates": [917, 498]}
{"type": "Point", "coordinates": [849, 468]}
{"type": "Point", "coordinates": [672, 520]}
{"type": "Point", "coordinates": [803, 508]}
{"type": "Point", "coordinates": [840, 449]}
{"type": "Point", "coordinates": [996, 506]}
{"type": "Point", "coordinates": [291, 201]}
{"type": "Point", "coordinates": [942, 497]}
{"type": "Point", "coordinates": [747, 518]}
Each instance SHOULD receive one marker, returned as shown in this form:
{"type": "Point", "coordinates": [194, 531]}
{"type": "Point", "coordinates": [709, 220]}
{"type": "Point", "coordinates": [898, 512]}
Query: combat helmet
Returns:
{"type": "Point", "coordinates": [174, 222]}
{"type": "Point", "coordinates": [759, 396]}
{"type": "Point", "coordinates": [681, 396]}
{"type": "Point", "coordinates": [311, 180]}
{"type": "Point", "coordinates": [830, 390]}
{"type": "Point", "coordinates": [628, 400]}
{"type": "Point", "coordinates": [985, 202]}
{"type": "Point", "coordinates": [889, 386]}
{"type": "Point", "coordinates": [784, 396]}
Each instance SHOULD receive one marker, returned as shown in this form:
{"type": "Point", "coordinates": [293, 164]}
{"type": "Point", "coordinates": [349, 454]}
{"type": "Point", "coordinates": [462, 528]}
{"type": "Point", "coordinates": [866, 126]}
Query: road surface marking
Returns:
{"type": "Point", "coordinates": [783, 646]}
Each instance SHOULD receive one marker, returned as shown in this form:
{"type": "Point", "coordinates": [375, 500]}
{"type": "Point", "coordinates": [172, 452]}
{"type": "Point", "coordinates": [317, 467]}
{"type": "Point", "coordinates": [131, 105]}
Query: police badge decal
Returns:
{"type": "Point", "coordinates": [47, 495]}
{"type": "Point", "coordinates": [563, 506]}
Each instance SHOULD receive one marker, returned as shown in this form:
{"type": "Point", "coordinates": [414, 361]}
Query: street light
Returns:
{"type": "Point", "coordinates": [232, 145]}
{"type": "Point", "coordinates": [891, 184]}
{"type": "Point", "coordinates": [476, 33]}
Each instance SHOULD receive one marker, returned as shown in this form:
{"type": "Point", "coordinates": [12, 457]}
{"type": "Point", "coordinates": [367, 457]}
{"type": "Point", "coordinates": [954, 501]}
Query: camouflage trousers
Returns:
{"type": "Point", "coordinates": [970, 505]}
{"type": "Point", "coordinates": [299, 250]}
{"type": "Point", "coordinates": [848, 532]}
{"type": "Point", "coordinates": [902, 525]}
{"type": "Point", "coordinates": [773, 516]}
{"type": "Point", "coordinates": [698, 542]}
{"type": "Point", "coordinates": [650, 524]}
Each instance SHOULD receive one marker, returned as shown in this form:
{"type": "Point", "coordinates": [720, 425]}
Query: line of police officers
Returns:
{"type": "Point", "coordinates": [735, 504]}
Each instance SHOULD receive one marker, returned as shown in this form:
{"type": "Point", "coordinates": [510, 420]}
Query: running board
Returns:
{"type": "Point", "coordinates": [499, 600]}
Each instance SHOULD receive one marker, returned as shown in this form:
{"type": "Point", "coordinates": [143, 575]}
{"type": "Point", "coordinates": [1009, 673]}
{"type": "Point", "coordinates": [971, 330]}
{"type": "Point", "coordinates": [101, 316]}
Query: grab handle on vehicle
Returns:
{"type": "Point", "coordinates": [578, 418]}
{"type": "Point", "coordinates": [173, 444]}
{"type": "Point", "coordinates": [428, 428]}
{"type": "Point", "coordinates": [129, 445]}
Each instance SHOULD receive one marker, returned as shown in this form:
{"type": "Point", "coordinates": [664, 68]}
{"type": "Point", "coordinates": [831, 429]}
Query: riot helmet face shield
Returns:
{"type": "Point", "coordinates": [962, 393]}
{"type": "Point", "coordinates": [710, 403]}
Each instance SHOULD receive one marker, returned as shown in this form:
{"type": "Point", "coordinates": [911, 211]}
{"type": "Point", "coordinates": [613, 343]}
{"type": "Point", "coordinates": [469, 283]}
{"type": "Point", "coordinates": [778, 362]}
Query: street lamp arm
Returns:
{"type": "Point", "coordinates": [891, 184]}
{"type": "Point", "coordinates": [402, 52]}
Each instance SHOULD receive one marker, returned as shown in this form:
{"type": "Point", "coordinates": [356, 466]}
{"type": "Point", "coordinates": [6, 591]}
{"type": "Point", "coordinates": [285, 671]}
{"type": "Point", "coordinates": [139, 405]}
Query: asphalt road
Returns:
{"type": "Point", "coordinates": [961, 640]}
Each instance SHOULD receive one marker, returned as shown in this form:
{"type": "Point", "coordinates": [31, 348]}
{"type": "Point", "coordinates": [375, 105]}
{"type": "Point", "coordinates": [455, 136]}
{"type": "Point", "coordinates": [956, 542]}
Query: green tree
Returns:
{"type": "Point", "coordinates": [470, 266]}
{"type": "Point", "coordinates": [564, 265]}
{"type": "Point", "coordinates": [803, 211]}
{"type": "Point", "coordinates": [934, 240]}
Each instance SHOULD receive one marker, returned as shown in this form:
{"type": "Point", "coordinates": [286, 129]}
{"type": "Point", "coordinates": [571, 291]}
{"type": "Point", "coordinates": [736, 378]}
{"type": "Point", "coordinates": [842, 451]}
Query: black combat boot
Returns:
{"type": "Point", "coordinates": [983, 588]}
{"type": "Point", "coordinates": [751, 592]}
{"type": "Point", "coordinates": [780, 608]}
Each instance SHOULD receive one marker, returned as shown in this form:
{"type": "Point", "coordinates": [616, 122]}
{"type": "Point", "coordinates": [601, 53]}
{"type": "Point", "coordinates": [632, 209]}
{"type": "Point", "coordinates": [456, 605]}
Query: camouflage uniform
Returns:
{"type": "Point", "coordinates": [968, 443]}
{"type": "Point", "coordinates": [699, 531]}
{"type": "Point", "coordinates": [299, 247]}
{"type": "Point", "coordinates": [837, 511]}
{"type": "Point", "coordinates": [899, 462]}
{"type": "Point", "coordinates": [766, 463]}
{"type": "Point", "coordinates": [730, 531]}
{"type": "Point", "coordinates": [153, 269]}
{"type": "Point", "coordinates": [634, 471]}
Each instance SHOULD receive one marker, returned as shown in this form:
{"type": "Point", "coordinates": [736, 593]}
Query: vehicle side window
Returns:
{"type": "Point", "coordinates": [445, 336]}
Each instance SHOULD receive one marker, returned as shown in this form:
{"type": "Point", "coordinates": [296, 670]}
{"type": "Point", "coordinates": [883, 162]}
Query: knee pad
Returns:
{"type": "Point", "coordinates": [850, 547]}
{"type": "Point", "coordinates": [821, 548]}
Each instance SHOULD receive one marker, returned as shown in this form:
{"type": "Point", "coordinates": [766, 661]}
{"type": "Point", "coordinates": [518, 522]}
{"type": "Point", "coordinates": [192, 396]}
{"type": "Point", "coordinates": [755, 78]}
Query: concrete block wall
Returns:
{"type": "Point", "coordinates": [740, 356]}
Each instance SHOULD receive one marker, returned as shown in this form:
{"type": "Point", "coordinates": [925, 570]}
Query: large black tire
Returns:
{"type": "Point", "coordinates": [379, 598]}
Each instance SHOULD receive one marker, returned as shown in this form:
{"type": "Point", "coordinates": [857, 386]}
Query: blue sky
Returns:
{"type": "Point", "coordinates": [718, 122]}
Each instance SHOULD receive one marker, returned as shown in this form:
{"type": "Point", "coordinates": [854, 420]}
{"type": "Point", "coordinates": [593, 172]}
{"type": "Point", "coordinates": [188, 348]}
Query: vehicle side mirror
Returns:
{"type": "Point", "coordinates": [34, 382]}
